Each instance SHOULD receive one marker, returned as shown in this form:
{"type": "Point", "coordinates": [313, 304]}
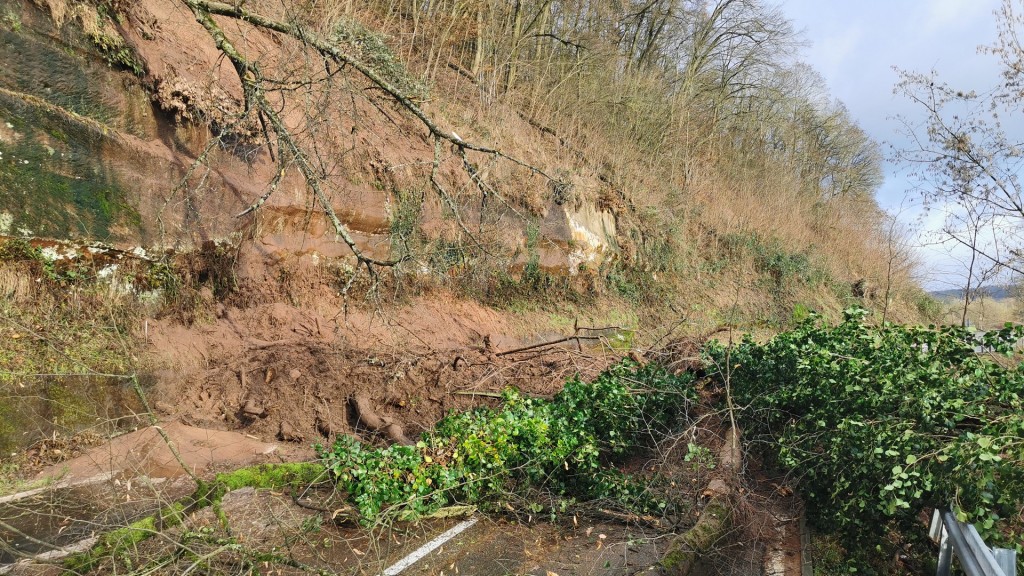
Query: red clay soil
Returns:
{"type": "Point", "coordinates": [285, 373]}
{"type": "Point", "coordinates": [145, 453]}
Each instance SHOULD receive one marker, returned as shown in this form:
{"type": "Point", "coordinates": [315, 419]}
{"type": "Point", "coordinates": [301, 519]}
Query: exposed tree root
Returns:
{"type": "Point", "coordinates": [367, 417]}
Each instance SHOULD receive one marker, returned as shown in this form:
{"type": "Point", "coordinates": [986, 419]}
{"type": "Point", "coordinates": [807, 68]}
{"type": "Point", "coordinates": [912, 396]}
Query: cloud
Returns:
{"type": "Point", "coordinates": [854, 45]}
{"type": "Point", "coordinates": [942, 15]}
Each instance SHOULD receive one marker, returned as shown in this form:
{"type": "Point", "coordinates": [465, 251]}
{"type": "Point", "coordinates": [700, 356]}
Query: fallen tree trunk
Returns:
{"type": "Point", "coordinates": [716, 518]}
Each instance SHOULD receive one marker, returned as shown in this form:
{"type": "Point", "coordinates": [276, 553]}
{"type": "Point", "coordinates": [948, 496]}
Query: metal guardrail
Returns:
{"type": "Point", "coordinates": [976, 559]}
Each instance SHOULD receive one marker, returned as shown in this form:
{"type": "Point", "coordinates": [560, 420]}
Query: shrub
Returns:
{"type": "Point", "coordinates": [567, 446]}
{"type": "Point", "coordinates": [372, 48]}
{"type": "Point", "coordinates": [880, 422]}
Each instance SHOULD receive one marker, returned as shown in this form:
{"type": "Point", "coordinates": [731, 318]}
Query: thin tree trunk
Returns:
{"type": "Point", "coordinates": [478, 55]}
{"type": "Point", "coordinates": [513, 55]}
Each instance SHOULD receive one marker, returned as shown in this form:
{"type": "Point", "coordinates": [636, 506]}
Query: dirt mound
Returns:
{"type": "Point", "coordinates": [288, 373]}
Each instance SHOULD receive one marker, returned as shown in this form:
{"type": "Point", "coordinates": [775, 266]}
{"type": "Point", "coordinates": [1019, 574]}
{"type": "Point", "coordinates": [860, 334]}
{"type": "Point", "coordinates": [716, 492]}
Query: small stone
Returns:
{"type": "Point", "coordinates": [287, 433]}
{"type": "Point", "coordinates": [295, 373]}
{"type": "Point", "coordinates": [716, 487]}
{"type": "Point", "coordinates": [253, 409]}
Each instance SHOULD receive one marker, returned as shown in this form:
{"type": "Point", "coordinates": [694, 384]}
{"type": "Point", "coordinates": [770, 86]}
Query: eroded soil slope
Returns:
{"type": "Point", "coordinates": [295, 373]}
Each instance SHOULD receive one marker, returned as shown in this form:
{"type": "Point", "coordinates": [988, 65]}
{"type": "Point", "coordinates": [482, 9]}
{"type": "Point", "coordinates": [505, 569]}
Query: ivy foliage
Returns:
{"type": "Point", "coordinates": [372, 48]}
{"type": "Point", "coordinates": [567, 446]}
{"type": "Point", "coordinates": [880, 422]}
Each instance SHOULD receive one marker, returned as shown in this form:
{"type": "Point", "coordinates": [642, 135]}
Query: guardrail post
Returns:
{"type": "Point", "coordinates": [1007, 560]}
{"type": "Point", "coordinates": [937, 532]}
{"type": "Point", "coordinates": [976, 558]}
{"type": "Point", "coordinates": [945, 556]}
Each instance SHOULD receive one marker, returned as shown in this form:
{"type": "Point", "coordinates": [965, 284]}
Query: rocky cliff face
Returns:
{"type": "Point", "coordinates": [124, 123]}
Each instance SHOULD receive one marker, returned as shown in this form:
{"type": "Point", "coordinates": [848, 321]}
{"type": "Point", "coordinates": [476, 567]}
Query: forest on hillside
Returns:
{"type": "Point", "coordinates": [695, 124]}
{"type": "Point", "coordinates": [672, 97]}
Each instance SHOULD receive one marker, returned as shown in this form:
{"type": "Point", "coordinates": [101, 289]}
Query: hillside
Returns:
{"type": "Point", "coordinates": [610, 178]}
{"type": "Point", "coordinates": [997, 292]}
{"type": "Point", "coordinates": [989, 308]}
{"type": "Point", "coordinates": [303, 220]}
{"type": "Point", "coordinates": [285, 172]}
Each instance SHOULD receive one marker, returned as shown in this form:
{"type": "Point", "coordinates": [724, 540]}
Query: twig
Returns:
{"type": "Point", "coordinates": [254, 344]}
{"type": "Point", "coordinates": [476, 393]}
{"type": "Point", "coordinates": [208, 556]}
{"type": "Point", "coordinates": [546, 344]}
{"type": "Point", "coordinates": [331, 51]}
{"type": "Point", "coordinates": [631, 518]}
{"type": "Point", "coordinates": [31, 539]}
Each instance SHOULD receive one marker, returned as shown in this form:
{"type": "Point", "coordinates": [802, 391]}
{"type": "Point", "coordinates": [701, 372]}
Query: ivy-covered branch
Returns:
{"type": "Point", "coordinates": [881, 422]}
{"type": "Point", "coordinates": [563, 446]}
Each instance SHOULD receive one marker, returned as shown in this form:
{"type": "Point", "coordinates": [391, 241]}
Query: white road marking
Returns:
{"type": "Point", "coordinates": [429, 547]}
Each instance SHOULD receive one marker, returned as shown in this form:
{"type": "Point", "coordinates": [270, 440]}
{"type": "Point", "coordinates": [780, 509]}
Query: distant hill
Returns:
{"type": "Point", "coordinates": [999, 292]}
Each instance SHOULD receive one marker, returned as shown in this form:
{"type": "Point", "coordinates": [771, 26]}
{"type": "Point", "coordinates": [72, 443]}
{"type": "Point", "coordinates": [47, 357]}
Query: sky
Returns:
{"type": "Point", "coordinates": [855, 44]}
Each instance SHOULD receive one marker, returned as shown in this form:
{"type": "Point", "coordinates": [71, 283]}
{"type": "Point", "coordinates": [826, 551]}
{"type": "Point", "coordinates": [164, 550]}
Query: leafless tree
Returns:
{"type": "Point", "coordinates": [966, 155]}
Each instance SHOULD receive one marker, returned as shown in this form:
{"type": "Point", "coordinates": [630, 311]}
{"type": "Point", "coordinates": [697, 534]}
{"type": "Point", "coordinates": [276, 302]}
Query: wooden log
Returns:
{"type": "Point", "coordinates": [716, 518]}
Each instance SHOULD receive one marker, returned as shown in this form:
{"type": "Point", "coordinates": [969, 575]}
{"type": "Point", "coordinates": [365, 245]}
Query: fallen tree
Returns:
{"type": "Point", "coordinates": [566, 449]}
{"type": "Point", "coordinates": [877, 423]}
{"type": "Point", "coordinates": [716, 518]}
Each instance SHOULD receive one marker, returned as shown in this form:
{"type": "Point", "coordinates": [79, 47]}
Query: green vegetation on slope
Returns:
{"type": "Point", "coordinates": [64, 352]}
